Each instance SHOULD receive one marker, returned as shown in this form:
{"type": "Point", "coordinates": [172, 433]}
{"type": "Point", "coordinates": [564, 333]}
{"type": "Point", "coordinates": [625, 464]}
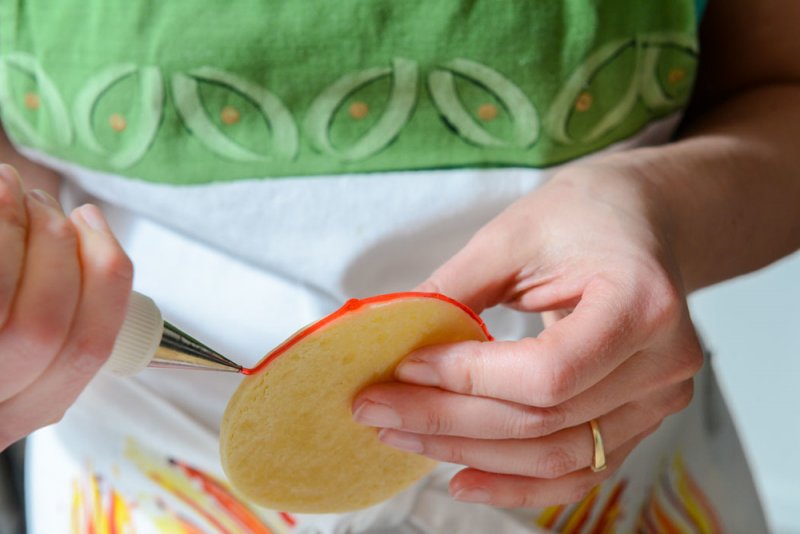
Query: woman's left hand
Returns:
{"type": "Point", "coordinates": [590, 250]}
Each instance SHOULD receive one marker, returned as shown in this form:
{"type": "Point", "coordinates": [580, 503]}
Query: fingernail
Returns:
{"type": "Point", "coordinates": [418, 373]}
{"type": "Point", "coordinates": [93, 218]}
{"type": "Point", "coordinates": [401, 440]}
{"type": "Point", "coordinates": [380, 415]}
{"type": "Point", "coordinates": [472, 495]}
{"type": "Point", "coordinates": [43, 198]}
{"type": "Point", "coordinates": [9, 173]}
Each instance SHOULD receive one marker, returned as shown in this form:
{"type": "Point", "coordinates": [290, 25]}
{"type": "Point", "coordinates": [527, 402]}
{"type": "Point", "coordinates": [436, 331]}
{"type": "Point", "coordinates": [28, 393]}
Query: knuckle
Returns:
{"type": "Point", "coordinates": [453, 453]}
{"type": "Point", "coordinates": [469, 370]}
{"type": "Point", "coordinates": [686, 361]}
{"type": "Point", "coordinates": [51, 419]}
{"type": "Point", "coordinates": [524, 425]}
{"type": "Point", "coordinates": [556, 461]}
{"type": "Point", "coordinates": [114, 264]}
{"type": "Point", "coordinates": [693, 359]}
{"type": "Point", "coordinates": [42, 336]}
{"type": "Point", "coordinates": [465, 377]}
{"type": "Point", "coordinates": [88, 353]}
{"type": "Point", "coordinates": [553, 418]}
{"type": "Point", "coordinates": [525, 499]}
{"type": "Point", "coordinates": [682, 398]}
{"type": "Point", "coordinates": [436, 423]}
{"type": "Point", "coordinates": [665, 302]}
{"type": "Point", "coordinates": [558, 385]}
{"type": "Point", "coordinates": [536, 422]}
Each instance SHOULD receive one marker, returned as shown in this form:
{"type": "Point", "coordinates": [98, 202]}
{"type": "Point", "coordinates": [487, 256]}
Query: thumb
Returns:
{"type": "Point", "coordinates": [480, 275]}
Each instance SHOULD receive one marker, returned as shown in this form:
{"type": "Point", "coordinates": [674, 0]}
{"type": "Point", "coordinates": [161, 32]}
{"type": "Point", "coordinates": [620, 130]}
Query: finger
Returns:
{"type": "Point", "coordinates": [107, 275]}
{"type": "Point", "coordinates": [479, 275]}
{"type": "Point", "coordinates": [570, 356]}
{"type": "Point", "coordinates": [13, 232]}
{"type": "Point", "coordinates": [432, 411]}
{"type": "Point", "coordinates": [547, 457]}
{"type": "Point", "coordinates": [651, 371]}
{"type": "Point", "coordinates": [46, 299]}
{"type": "Point", "coordinates": [510, 491]}
{"type": "Point", "coordinates": [552, 456]}
{"type": "Point", "coordinates": [665, 384]}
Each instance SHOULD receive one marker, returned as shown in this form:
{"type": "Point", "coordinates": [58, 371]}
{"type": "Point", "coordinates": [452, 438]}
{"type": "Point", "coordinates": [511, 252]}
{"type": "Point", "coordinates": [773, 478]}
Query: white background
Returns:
{"type": "Point", "coordinates": [752, 325]}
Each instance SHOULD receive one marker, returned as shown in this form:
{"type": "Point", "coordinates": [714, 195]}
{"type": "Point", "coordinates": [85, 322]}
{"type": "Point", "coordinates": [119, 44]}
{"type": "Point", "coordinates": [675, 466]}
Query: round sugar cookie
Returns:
{"type": "Point", "coordinates": [288, 440]}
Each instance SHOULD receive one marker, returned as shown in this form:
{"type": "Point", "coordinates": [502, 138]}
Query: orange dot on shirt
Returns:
{"type": "Point", "coordinates": [32, 101]}
{"type": "Point", "coordinates": [117, 122]}
{"type": "Point", "coordinates": [358, 110]}
{"type": "Point", "coordinates": [584, 101]}
{"type": "Point", "coordinates": [676, 76]}
{"type": "Point", "coordinates": [230, 115]}
{"type": "Point", "coordinates": [487, 112]}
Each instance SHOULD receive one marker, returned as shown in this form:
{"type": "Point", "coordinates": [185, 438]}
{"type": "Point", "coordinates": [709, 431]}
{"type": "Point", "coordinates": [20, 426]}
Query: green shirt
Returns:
{"type": "Point", "coordinates": [272, 88]}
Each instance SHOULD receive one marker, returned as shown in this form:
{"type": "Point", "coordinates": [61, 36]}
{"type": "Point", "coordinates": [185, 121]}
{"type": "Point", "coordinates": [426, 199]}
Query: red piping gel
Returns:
{"type": "Point", "coordinates": [352, 305]}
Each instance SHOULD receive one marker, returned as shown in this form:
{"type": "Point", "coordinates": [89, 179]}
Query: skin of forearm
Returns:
{"type": "Point", "coordinates": [727, 192]}
{"type": "Point", "coordinates": [34, 176]}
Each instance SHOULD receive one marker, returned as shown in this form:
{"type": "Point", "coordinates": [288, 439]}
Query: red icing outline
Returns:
{"type": "Point", "coordinates": [352, 305]}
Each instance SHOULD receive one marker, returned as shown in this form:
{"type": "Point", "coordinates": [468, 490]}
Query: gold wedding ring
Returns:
{"type": "Point", "coordinates": [599, 455]}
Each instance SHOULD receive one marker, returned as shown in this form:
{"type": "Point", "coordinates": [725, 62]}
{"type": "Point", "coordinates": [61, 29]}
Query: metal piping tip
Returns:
{"type": "Point", "coordinates": [178, 349]}
{"type": "Point", "coordinates": [146, 340]}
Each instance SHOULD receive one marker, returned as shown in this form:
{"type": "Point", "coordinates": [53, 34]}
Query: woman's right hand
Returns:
{"type": "Point", "coordinates": [64, 287]}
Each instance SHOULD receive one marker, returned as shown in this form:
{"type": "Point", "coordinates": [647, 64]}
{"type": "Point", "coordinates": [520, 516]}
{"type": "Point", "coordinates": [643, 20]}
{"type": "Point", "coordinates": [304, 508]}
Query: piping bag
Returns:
{"type": "Point", "coordinates": [146, 340]}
